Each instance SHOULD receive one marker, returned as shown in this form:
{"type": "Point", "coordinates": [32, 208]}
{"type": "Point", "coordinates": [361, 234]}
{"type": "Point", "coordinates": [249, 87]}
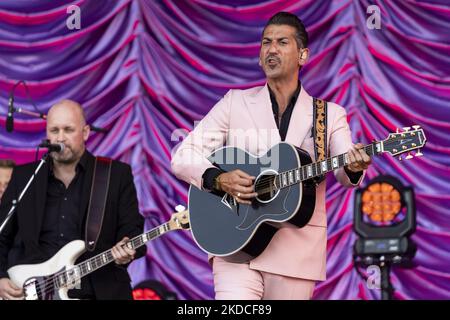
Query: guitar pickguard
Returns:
{"type": "Point", "coordinates": [230, 202]}
{"type": "Point", "coordinates": [254, 216]}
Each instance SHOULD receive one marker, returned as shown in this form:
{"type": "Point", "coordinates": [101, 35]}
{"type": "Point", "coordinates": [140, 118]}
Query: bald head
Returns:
{"type": "Point", "coordinates": [66, 123]}
{"type": "Point", "coordinates": [70, 106]}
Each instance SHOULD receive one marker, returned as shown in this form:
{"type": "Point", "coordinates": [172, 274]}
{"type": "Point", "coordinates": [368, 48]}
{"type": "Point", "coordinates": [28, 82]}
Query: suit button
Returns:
{"type": "Point", "coordinates": [63, 217]}
{"type": "Point", "coordinates": [62, 235]}
{"type": "Point", "coordinates": [65, 199]}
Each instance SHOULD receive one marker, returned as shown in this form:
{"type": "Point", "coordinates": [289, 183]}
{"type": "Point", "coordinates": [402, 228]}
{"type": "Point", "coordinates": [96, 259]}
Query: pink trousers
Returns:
{"type": "Point", "coordinates": [236, 281]}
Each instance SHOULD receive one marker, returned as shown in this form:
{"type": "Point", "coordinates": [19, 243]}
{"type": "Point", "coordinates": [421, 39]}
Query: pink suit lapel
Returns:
{"type": "Point", "coordinates": [260, 108]}
{"type": "Point", "coordinates": [301, 119]}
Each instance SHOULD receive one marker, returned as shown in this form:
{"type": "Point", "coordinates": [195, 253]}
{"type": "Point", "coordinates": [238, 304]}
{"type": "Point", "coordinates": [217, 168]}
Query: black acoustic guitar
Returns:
{"type": "Point", "coordinates": [286, 186]}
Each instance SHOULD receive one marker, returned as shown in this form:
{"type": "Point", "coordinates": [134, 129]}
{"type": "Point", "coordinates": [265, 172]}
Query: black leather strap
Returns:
{"type": "Point", "coordinates": [97, 200]}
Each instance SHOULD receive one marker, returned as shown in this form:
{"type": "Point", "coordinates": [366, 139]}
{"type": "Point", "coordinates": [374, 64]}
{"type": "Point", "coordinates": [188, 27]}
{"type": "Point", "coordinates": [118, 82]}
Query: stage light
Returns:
{"type": "Point", "coordinates": [152, 290]}
{"type": "Point", "coordinates": [381, 202]}
{"type": "Point", "coordinates": [384, 218]}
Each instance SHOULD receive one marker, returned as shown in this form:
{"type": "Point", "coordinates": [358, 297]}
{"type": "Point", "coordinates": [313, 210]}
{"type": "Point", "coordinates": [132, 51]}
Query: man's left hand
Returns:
{"type": "Point", "coordinates": [121, 253]}
{"type": "Point", "coordinates": [359, 159]}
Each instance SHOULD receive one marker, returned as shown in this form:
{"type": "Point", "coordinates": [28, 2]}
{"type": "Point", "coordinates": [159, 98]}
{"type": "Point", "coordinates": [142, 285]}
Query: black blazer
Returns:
{"type": "Point", "coordinates": [121, 218]}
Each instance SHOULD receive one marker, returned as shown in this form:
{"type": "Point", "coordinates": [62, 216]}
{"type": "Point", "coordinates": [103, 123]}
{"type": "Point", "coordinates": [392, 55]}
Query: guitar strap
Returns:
{"type": "Point", "coordinates": [320, 132]}
{"type": "Point", "coordinates": [97, 201]}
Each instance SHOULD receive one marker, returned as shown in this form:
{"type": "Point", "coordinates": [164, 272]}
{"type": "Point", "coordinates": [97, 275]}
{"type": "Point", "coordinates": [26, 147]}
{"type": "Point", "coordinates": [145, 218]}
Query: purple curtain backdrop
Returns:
{"type": "Point", "coordinates": [146, 70]}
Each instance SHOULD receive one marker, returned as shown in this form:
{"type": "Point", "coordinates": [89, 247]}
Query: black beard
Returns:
{"type": "Point", "coordinates": [70, 160]}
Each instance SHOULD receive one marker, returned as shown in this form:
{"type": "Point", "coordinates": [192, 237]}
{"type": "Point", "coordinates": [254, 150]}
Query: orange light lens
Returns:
{"type": "Point", "coordinates": [381, 202]}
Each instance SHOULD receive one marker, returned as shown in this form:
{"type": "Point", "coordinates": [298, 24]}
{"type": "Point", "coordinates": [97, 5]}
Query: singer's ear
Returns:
{"type": "Point", "coordinates": [86, 132]}
{"type": "Point", "coordinates": [303, 56]}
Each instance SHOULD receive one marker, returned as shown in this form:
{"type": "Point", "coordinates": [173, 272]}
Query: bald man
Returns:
{"type": "Point", "coordinates": [53, 212]}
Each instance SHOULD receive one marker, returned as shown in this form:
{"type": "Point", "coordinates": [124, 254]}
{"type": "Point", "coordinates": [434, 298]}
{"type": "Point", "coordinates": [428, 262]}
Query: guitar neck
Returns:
{"type": "Point", "coordinates": [106, 257]}
{"type": "Point", "coordinates": [312, 170]}
{"type": "Point", "coordinates": [88, 266]}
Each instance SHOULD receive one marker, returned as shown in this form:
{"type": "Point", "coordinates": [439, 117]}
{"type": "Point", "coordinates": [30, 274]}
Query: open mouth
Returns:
{"type": "Point", "coordinates": [272, 61]}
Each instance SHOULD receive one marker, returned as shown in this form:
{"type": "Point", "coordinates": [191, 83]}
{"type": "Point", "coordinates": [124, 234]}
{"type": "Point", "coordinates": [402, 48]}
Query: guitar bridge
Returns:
{"type": "Point", "coordinates": [30, 290]}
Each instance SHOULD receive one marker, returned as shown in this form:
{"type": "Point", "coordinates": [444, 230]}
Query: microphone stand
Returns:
{"type": "Point", "coordinates": [17, 201]}
{"type": "Point", "coordinates": [36, 114]}
{"type": "Point", "coordinates": [31, 113]}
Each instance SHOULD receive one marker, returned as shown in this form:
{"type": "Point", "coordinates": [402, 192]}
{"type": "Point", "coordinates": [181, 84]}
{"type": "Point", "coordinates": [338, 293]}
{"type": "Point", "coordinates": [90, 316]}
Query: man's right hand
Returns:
{"type": "Point", "coordinates": [238, 184]}
{"type": "Point", "coordinates": [9, 291]}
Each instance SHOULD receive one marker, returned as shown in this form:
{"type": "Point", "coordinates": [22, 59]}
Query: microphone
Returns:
{"type": "Point", "coordinates": [10, 117]}
{"type": "Point", "coordinates": [97, 129]}
{"type": "Point", "coordinates": [52, 147]}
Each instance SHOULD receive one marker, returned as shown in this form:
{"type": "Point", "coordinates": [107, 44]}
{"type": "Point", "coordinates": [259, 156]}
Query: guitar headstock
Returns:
{"type": "Point", "coordinates": [179, 219]}
{"type": "Point", "coordinates": [406, 141]}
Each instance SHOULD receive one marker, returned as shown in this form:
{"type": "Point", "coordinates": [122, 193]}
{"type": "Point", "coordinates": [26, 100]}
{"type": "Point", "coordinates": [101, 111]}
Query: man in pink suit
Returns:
{"type": "Point", "coordinates": [255, 120]}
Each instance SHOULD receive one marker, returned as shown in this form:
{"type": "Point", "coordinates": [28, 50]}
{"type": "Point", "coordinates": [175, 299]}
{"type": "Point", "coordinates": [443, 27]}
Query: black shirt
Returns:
{"type": "Point", "coordinates": [63, 218]}
{"type": "Point", "coordinates": [286, 116]}
{"type": "Point", "coordinates": [61, 223]}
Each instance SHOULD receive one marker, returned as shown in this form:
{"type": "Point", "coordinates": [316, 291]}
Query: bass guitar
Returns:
{"type": "Point", "coordinates": [52, 279]}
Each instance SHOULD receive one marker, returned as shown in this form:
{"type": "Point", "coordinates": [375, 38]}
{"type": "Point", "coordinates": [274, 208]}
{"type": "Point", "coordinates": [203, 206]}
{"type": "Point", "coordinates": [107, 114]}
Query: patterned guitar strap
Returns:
{"type": "Point", "coordinates": [320, 133]}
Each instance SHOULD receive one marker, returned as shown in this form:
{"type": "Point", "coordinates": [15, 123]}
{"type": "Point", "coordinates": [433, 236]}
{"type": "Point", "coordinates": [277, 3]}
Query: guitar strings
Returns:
{"type": "Point", "coordinates": [266, 182]}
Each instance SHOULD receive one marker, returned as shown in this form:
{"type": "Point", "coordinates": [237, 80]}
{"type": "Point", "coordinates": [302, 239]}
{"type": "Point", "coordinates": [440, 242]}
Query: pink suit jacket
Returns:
{"type": "Point", "coordinates": [244, 119]}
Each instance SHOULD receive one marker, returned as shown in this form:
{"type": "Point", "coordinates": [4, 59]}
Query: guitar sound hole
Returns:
{"type": "Point", "coordinates": [266, 188]}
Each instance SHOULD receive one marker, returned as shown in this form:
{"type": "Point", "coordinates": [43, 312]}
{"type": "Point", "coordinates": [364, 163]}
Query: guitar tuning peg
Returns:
{"type": "Point", "coordinates": [406, 129]}
{"type": "Point", "coordinates": [180, 208]}
{"type": "Point", "coordinates": [419, 153]}
{"type": "Point", "coordinates": [409, 156]}
{"type": "Point", "coordinates": [400, 158]}
{"type": "Point", "coordinates": [416, 127]}
{"type": "Point", "coordinates": [397, 130]}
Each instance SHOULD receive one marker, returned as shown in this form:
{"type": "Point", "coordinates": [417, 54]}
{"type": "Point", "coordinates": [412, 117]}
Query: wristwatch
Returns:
{"type": "Point", "coordinates": [216, 184]}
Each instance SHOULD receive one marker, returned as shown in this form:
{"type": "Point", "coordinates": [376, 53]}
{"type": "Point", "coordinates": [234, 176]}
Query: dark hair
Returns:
{"type": "Point", "coordinates": [289, 19]}
{"type": "Point", "coordinates": [5, 163]}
